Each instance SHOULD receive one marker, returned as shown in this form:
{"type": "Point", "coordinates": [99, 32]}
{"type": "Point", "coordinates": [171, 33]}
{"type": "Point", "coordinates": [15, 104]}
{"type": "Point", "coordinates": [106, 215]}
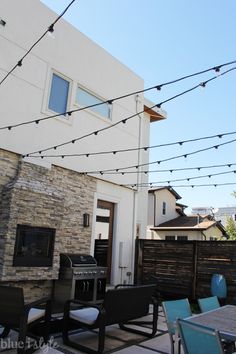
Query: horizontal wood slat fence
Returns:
{"type": "Point", "coordinates": [184, 268]}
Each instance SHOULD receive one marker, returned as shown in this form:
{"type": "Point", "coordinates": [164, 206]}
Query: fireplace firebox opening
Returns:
{"type": "Point", "coordinates": [34, 246]}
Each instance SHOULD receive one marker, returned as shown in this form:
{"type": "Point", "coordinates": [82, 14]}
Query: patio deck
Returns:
{"type": "Point", "coordinates": [117, 341]}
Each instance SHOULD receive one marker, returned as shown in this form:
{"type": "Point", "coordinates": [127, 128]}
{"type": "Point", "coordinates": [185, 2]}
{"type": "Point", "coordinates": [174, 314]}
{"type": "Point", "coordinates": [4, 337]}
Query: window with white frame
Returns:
{"type": "Point", "coordinates": [182, 238]}
{"type": "Point", "coordinates": [59, 92]}
{"type": "Point", "coordinates": [170, 238]}
{"type": "Point", "coordinates": [85, 98]}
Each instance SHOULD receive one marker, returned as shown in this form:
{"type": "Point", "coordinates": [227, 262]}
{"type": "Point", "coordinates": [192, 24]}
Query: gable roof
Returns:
{"type": "Point", "coordinates": [170, 189]}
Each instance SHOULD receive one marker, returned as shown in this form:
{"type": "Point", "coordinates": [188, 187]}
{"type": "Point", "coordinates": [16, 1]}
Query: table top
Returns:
{"type": "Point", "coordinates": [222, 319]}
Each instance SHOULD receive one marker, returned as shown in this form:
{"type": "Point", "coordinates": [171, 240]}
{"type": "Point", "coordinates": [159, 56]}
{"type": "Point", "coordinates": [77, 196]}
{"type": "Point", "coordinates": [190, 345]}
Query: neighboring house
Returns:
{"type": "Point", "coordinates": [61, 205]}
{"type": "Point", "coordinates": [162, 205]}
{"type": "Point", "coordinates": [188, 228]}
{"type": "Point", "coordinates": [220, 214]}
{"type": "Point", "coordinates": [168, 221]}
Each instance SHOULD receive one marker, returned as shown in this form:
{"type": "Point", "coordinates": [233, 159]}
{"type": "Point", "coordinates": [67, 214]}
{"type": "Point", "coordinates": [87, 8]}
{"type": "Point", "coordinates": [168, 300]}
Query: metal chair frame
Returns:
{"type": "Point", "coordinates": [14, 315]}
{"type": "Point", "coordinates": [121, 306]}
{"type": "Point", "coordinates": [173, 310]}
{"type": "Point", "coordinates": [208, 303]}
{"type": "Point", "coordinates": [208, 340]}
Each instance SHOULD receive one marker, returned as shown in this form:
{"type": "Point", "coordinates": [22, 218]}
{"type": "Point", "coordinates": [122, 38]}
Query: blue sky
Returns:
{"type": "Point", "coordinates": [161, 41]}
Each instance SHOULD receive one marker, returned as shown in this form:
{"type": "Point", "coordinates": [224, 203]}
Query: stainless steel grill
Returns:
{"type": "Point", "coordinates": [80, 278]}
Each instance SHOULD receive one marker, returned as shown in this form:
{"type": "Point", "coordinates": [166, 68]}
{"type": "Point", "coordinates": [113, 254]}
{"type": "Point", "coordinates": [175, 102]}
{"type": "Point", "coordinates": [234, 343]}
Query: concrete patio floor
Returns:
{"type": "Point", "coordinates": [117, 341]}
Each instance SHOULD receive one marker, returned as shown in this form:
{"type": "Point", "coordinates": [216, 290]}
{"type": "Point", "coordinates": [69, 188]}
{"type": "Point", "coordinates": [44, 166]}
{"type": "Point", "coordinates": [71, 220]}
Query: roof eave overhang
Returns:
{"type": "Point", "coordinates": [153, 111]}
{"type": "Point", "coordinates": [178, 228]}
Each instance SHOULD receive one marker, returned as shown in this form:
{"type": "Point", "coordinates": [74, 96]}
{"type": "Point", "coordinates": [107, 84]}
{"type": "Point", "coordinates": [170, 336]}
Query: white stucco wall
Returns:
{"type": "Point", "coordinates": [151, 209]}
{"type": "Point", "coordinates": [165, 196]}
{"type": "Point", "coordinates": [155, 203]}
{"type": "Point", "coordinates": [192, 234]}
{"type": "Point", "coordinates": [25, 95]}
{"type": "Point", "coordinates": [123, 231]}
{"type": "Point", "coordinates": [213, 232]}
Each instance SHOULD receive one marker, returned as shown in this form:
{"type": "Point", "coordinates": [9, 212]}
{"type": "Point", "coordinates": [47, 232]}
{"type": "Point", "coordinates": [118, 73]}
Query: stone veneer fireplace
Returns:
{"type": "Point", "coordinates": [34, 202]}
{"type": "Point", "coordinates": [34, 246]}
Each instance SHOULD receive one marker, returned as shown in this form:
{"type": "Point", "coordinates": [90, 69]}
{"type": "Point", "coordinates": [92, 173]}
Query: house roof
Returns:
{"type": "Point", "coordinates": [171, 190]}
{"type": "Point", "coordinates": [183, 206]}
{"type": "Point", "coordinates": [179, 210]}
{"type": "Point", "coordinates": [193, 222]}
{"type": "Point", "coordinates": [155, 113]}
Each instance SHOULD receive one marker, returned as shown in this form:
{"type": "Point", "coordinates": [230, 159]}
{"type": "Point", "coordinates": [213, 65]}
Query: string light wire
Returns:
{"type": "Point", "coordinates": [197, 185]}
{"type": "Point", "coordinates": [164, 160]}
{"type": "Point", "coordinates": [158, 87]}
{"type": "Point", "coordinates": [145, 148]}
{"type": "Point", "coordinates": [172, 169]}
{"type": "Point", "coordinates": [124, 120]}
{"type": "Point", "coordinates": [49, 29]}
{"type": "Point", "coordinates": [180, 179]}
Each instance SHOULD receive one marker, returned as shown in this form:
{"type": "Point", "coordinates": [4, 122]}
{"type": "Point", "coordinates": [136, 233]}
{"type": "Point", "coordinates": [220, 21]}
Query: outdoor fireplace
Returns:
{"type": "Point", "coordinates": [33, 246]}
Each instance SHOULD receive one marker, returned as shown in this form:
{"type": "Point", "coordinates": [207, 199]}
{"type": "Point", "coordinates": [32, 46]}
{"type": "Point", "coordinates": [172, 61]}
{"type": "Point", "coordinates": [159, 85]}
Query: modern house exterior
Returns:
{"type": "Point", "coordinates": [168, 221]}
{"type": "Point", "coordinates": [62, 204]}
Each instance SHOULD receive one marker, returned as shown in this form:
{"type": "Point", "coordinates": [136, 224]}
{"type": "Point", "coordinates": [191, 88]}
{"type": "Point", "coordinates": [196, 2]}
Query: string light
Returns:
{"type": "Point", "coordinates": [130, 117]}
{"type": "Point", "coordinates": [196, 185]}
{"type": "Point", "coordinates": [140, 148]}
{"type": "Point", "coordinates": [110, 101]}
{"type": "Point", "coordinates": [182, 179]}
{"type": "Point", "coordinates": [49, 29]}
{"type": "Point", "coordinates": [167, 159]}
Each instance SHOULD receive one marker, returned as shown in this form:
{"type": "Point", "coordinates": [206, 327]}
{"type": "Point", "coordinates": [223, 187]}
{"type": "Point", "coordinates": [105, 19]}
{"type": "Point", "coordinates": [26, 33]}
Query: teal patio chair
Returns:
{"type": "Point", "coordinates": [212, 303]}
{"type": "Point", "coordinates": [197, 339]}
{"type": "Point", "coordinates": [208, 303]}
{"type": "Point", "coordinates": [173, 310]}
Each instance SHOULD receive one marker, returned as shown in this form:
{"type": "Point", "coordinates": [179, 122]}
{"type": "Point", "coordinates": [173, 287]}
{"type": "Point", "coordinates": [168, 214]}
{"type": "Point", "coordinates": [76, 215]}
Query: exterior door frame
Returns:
{"type": "Point", "coordinates": [111, 207]}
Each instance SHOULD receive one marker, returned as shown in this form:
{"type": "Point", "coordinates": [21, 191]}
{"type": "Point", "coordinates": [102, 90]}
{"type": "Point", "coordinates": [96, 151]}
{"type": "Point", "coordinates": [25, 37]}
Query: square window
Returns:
{"type": "Point", "coordinates": [170, 238]}
{"type": "Point", "coordinates": [182, 238]}
{"type": "Point", "coordinates": [59, 94]}
{"type": "Point", "coordinates": [85, 98]}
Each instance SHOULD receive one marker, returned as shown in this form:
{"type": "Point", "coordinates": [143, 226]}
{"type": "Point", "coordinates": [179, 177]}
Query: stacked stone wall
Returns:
{"type": "Point", "coordinates": [36, 196]}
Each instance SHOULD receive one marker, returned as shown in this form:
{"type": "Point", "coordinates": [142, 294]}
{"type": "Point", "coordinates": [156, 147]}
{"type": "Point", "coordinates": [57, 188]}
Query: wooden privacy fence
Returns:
{"type": "Point", "coordinates": [185, 268]}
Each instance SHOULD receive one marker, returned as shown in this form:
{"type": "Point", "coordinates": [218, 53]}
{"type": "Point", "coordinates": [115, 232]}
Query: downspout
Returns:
{"type": "Point", "coordinates": [137, 99]}
{"type": "Point", "coordinates": [203, 235]}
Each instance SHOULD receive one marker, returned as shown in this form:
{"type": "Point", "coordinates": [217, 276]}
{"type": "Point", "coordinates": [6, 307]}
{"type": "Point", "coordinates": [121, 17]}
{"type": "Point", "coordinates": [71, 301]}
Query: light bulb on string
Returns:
{"type": "Point", "coordinates": [50, 32]}
{"type": "Point", "coordinates": [217, 70]}
{"type": "Point", "coordinates": [202, 85]}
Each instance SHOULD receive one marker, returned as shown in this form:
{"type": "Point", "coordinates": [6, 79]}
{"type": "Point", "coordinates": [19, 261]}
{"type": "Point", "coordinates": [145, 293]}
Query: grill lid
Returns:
{"type": "Point", "coordinates": [69, 260]}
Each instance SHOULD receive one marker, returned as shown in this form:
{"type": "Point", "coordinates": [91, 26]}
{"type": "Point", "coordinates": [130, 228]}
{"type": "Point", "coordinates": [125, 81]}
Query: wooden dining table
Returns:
{"type": "Point", "coordinates": [222, 319]}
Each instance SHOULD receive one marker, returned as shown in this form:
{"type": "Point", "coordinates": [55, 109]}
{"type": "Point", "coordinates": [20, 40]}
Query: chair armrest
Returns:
{"type": "Point", "coordinates": [125, 285]}
{"type": "Point", "coordinates": [38, 302]}
{"type": "Point", "coordinates": [68, 304]}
